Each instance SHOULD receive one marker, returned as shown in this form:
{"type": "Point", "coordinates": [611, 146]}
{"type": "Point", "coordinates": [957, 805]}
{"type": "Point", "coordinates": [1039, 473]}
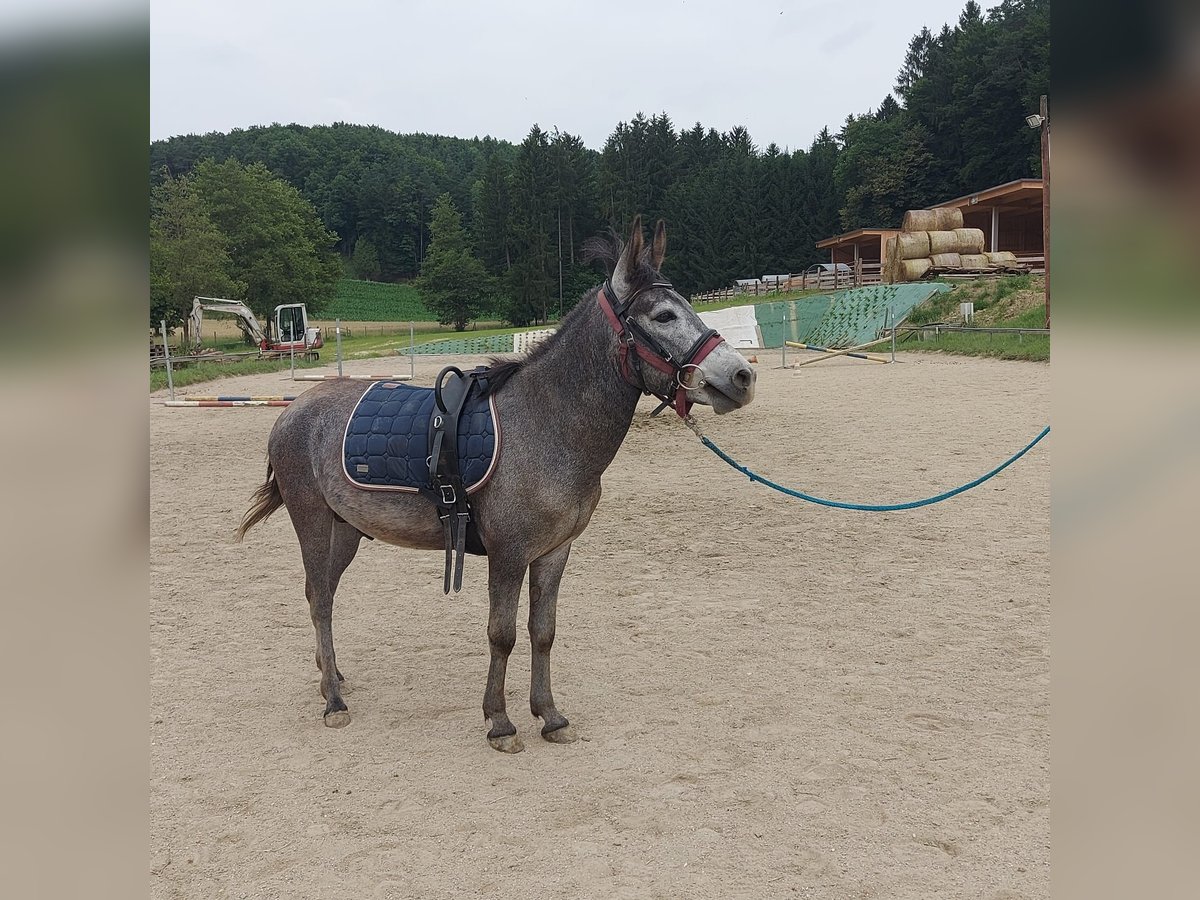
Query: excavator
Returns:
{"type": "Point", "coordinates": [291, 331]}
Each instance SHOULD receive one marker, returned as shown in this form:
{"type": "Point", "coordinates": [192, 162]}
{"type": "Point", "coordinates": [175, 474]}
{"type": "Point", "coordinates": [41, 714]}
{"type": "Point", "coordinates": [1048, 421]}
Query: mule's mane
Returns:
{"type": "Point", "coordinates": [502, 368]}
{"type": "Point", "coordinates": [606, 249]}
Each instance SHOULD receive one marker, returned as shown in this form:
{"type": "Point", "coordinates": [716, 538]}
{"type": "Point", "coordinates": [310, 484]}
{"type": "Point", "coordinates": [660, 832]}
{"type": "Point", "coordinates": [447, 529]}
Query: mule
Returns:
{"type": "Point", "coordinates": [565, 407]}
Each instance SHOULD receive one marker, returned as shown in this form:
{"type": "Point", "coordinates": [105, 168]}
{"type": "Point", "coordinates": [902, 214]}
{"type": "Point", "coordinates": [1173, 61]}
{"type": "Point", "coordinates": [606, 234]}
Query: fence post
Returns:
{"type": "Point", "coordinates": [167, 354]}
{"type": "Point", "coordinates": [337, 328]}
{"type": "Point", "coordinates": [412, 353]}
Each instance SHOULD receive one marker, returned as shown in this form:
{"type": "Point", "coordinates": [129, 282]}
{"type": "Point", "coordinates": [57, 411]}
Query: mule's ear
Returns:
{"type": "Point", "coordinates": [630, 258]}
{"type": "Point", "coordinates": [637, 243]}
{"type": "Point", "coordinates": [658, 249]}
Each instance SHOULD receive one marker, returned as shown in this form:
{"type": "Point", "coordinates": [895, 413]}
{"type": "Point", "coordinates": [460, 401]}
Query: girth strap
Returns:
{"type": "Point", "coordinates": [451, 391]}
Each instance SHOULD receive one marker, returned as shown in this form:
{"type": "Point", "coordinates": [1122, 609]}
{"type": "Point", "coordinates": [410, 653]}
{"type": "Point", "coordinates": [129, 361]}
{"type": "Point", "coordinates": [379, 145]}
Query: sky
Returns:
{"type": "Point", "coordinates": [783, 69]}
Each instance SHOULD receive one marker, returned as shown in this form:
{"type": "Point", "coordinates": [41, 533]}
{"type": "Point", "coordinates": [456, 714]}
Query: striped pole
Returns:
{"type": "Point", "coordinates": [354, 377]}
{"type": "Point", "coordinates": [224, 403]}
{"type": "Point", "coordinates": [233, 398]}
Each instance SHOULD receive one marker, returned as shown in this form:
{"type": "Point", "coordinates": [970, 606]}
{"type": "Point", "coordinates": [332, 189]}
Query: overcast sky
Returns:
{"type": "Point", "coordinates": [783, 69]}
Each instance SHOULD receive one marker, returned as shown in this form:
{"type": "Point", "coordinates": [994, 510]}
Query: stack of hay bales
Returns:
{"type": "Point", "coordinates": [934, 240]}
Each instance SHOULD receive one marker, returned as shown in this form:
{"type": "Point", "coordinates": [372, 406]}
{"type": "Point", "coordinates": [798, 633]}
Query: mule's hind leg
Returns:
{"type": "Point", "coordinates": [504, 590]}
{"type": "Point", "coordinates": [313, 521]}
{"type": "Point", "coordinates": [545, 574]}
{"type": "Point", "coordinates": [344, 541]}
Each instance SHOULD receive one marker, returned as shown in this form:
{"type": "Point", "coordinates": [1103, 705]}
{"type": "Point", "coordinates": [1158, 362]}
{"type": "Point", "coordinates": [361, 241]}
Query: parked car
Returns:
{"type": "Point", "coordinates": [828, 269]}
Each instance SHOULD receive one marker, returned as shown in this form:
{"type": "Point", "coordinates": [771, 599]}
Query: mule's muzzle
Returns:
{"type": "Point", "coordinates": [728, 381]}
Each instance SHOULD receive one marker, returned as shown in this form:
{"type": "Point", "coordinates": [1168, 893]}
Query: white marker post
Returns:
{"type": "Point", "coordinates": [167, 354]}
{"type": "Point", "coordinates": [337, 330]}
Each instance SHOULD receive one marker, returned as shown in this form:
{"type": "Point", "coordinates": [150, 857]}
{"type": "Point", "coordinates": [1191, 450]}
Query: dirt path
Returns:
{"type": "Point", "coordinates": [774, 699]}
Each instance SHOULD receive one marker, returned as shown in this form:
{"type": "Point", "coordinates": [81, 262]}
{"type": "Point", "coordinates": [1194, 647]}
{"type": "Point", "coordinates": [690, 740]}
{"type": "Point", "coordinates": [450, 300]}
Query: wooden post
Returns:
{"type": "Point", "coordinates": [1045, 112]}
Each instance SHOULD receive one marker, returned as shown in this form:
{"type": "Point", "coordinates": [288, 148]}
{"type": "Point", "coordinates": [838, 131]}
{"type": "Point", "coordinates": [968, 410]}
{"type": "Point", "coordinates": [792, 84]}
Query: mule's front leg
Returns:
{"type": "Point", "coordinates": [504, 589]}
{"type": "Point", "coordinates": [545, 574]}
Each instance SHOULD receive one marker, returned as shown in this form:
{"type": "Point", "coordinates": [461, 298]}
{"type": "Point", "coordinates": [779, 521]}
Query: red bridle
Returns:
{"type": "Point", "coordinates": [638, 346]}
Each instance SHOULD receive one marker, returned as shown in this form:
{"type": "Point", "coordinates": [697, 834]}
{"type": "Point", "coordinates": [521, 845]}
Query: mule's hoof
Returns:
{"type": "Point", "coordinates": [564, 735]}
{"type": "Point", "coordinates": [509, 743]}
{"type": "Point", "coordinates": [337, 719]}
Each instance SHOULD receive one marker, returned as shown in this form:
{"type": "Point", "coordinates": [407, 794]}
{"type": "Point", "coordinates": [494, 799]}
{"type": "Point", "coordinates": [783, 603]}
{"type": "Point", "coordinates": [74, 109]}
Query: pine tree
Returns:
{"type": "Point", "coordinates": [452, 282]}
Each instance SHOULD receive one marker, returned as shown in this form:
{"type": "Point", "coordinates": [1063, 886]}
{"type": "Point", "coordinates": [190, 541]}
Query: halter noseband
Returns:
{"type": "Point", "coordinates": [638, 346]}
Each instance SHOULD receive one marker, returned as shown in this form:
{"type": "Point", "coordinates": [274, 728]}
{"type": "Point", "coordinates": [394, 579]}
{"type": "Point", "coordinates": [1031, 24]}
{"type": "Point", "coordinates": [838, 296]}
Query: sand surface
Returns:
{"type": "Point", "coordinates": [773, 699]}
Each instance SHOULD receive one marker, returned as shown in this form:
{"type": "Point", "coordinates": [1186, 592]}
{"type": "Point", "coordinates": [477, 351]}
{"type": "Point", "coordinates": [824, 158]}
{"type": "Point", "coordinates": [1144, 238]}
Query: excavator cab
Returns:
{"type": "Point", "coordinates": [292, 331]}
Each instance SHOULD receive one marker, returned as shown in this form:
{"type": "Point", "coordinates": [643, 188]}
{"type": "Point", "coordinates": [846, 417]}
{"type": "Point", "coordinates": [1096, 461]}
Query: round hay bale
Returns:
{"type": "Point", "coordinates": [889, 262]}
{"type": "Point", "coordinates": [946, 260]}
{"type": "Point", "coordinates": [948, 219]}
{"type": "Point", "coordinates": [975, 261]}
{"type": "Point", "coordinates": [920, 220]}
{"type": "Point", "coordinates": [912, 245]}
{"type": "Point", "coordinates": [970, 240]}
{"type": "Point", "coordinates": [1002, 258]}
{"type": "Point", "coordinates": [943, 242]}
{"type": "Point", "coordinates": [912, 269]}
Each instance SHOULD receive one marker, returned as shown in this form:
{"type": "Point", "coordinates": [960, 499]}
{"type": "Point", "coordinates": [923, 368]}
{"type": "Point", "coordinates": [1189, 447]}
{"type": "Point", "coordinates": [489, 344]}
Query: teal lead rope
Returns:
{"type": "Point", "coordinates": [868, 507]}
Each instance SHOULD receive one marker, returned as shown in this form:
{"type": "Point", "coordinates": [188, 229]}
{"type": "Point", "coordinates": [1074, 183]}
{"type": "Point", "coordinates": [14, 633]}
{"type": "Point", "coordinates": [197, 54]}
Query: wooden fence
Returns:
{"type": "Point", "coordinates": [863, 274]}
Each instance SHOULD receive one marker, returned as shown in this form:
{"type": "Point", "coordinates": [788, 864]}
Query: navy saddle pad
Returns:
{"type": "Point", "coordinates": [387, 438]}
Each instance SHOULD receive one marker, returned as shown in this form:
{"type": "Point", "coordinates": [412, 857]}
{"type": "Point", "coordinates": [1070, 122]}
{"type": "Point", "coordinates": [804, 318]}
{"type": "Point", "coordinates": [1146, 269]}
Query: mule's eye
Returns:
{"type": "Point", "coordinates": [665, 316]}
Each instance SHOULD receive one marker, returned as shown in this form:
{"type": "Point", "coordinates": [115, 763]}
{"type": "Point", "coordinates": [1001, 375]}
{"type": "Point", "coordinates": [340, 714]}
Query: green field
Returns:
{"type": "Point", "coordinates": [375, 301]}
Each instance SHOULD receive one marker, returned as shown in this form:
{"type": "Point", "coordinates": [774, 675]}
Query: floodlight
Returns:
{"type": "Point", "coordinates": [1034, 121]}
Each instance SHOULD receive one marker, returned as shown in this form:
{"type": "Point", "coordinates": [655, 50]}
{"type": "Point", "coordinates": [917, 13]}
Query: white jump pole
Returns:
{"type": "Point", "coordinates": [293, 349]}
{"type": "Point", "coordinates": [337, 330]}
{"type": "Point", "coordinates": [167, 353]}
{"type": "Point", "coordinates": [412, 352]}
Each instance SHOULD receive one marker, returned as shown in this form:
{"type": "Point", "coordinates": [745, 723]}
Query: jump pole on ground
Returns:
{"type": "Point", "coordinates": [871, 357]}
{"type": "Point", "coordinates": [832, 353]}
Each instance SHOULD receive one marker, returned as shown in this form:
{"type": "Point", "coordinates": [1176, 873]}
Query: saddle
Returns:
{"type": "Point", "coordinates": [442, 442]}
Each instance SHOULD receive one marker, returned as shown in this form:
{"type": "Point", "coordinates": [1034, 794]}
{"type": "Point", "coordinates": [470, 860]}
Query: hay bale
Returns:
{"type": "Point", "coordinates": [920, 220]}
{"type": "Point", "coordinates": [912, 245]}
{"type": "Point", "coordinates": [912, 269]}
{"type": "Point", "coordinates": [943, 242]}
{"type": "Point", "coordinates": [1002, 258]}
{"type": "Point", "coordinates": [970, 240]}
{"type": "Point", "coordinates": [887, 270]}
{"type": "Point", "coordinates": [948, 219]}
{"type": "Point", "coordinates": [946, 260]}
{"type": "Point", "coordinates": [975, 261]}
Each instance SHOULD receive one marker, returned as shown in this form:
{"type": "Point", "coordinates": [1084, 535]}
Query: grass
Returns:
{"type": "Point", "coordinates": [752, 300]}
{"type": "Point", "coordinates": [359, 346]}
{"type": "Point", "coordinates": [208, 371]}
{"type": "Point", "coordinates": [1008, 302]}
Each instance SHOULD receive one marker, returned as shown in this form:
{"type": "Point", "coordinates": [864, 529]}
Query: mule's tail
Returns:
{"type": "Point", "coordinates": [266, 500]}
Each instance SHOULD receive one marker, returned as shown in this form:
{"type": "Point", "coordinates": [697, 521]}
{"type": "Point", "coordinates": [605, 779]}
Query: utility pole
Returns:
{"type": "Point", "coordinates": [560, 272]}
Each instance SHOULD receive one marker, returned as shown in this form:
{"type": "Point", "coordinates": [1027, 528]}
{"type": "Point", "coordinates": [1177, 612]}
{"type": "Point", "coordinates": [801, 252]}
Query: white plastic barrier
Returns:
{"type": "Point", "coordinates": [523, 341]}
{"type": "Point", "coordinates": [736, 324]}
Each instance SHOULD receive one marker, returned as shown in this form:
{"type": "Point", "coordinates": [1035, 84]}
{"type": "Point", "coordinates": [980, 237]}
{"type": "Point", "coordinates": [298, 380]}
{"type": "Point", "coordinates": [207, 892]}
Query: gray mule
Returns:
{"type": "Point", "coordinates": [564, 409]}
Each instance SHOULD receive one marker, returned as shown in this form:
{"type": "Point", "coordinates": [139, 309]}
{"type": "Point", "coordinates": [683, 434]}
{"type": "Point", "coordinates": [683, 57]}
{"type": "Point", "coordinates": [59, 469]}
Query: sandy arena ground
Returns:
{"type": "Point", "coordinates": [774, 699]}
